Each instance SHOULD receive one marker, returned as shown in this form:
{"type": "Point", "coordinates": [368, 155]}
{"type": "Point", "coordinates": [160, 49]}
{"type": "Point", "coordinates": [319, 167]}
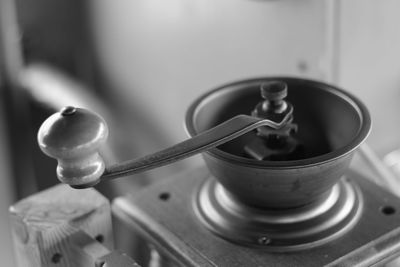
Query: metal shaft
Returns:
{"type": "Point", "coordinates": [213, 137]}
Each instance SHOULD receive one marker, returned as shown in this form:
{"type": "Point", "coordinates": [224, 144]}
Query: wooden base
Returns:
{"type": "Point", "coordinates": [164, 214]}
{"type": "Point", "coordinates": [64, 227]}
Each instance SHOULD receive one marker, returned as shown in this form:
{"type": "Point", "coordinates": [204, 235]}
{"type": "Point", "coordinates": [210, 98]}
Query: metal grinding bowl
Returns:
{"type": "Point", "coordinates": [332, 124]}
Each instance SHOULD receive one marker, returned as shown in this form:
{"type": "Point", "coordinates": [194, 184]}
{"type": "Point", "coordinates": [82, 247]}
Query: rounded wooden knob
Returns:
{"type": "Point", "coordinates": [73, 137]}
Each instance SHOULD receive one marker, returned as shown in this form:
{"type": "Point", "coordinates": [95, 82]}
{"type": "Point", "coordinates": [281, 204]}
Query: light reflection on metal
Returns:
{"type": "Point", "coordinates": [287, 230]}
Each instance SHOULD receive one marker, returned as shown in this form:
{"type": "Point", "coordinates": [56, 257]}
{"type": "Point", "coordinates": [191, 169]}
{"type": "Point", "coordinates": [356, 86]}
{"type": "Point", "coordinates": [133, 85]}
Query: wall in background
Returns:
{"type": "Point", "coordinates": [369, 64]}
{"type": "Point", "coordinates": [7, 196]}
{"type": "Point", "coordinates": [161, 55]}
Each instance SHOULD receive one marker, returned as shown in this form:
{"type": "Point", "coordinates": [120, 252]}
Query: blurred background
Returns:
{"type": "Point", "coordinates": [141, 63]}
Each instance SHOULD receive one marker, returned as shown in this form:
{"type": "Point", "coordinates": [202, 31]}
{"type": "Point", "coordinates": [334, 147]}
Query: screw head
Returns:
{"type": "Point", "coordinates": [264, 240]}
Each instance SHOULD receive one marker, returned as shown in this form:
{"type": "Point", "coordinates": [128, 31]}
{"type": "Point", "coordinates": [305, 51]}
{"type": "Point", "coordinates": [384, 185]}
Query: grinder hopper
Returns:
{"type": "Point", "coordinates": [288, 204]}
{"type": "Point", "coordinates": [332, 124]}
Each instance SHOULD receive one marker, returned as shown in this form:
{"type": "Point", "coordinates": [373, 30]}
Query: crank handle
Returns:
{"type": "Point", "coordinates": [73, 136]}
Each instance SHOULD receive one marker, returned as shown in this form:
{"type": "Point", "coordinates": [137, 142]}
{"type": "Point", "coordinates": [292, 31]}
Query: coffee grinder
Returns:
{"type": "Point", "coordinates": [276, 188]}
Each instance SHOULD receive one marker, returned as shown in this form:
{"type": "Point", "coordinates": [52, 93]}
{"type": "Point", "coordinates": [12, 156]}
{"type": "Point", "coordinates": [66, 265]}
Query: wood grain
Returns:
{"type": "Point", "coordinates": [42, 225]}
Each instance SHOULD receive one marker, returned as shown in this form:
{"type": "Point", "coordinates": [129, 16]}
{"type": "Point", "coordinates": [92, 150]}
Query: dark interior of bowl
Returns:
{"type": "Point", "coordinates": [327, 119]}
